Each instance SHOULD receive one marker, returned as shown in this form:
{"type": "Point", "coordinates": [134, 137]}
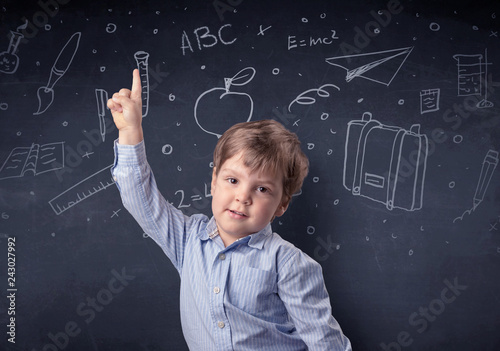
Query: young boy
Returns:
{"type": "Point", "coordinates": [242, 286]}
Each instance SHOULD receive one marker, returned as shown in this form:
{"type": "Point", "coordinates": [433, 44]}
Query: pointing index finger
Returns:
{"type": "Point", "coordinates": [136, 85]}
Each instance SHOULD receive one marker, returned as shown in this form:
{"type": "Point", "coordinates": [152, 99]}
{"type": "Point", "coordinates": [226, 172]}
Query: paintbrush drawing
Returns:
{"type": "Point", "coordinates": [45, 94]}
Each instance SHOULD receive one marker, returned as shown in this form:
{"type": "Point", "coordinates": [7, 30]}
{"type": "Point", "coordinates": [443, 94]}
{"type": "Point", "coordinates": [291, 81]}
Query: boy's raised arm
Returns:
{"type": "Point", "coordinates": [126, 108]}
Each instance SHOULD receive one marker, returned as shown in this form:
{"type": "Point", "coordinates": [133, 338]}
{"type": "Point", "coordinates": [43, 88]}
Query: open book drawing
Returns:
{"type": "Point", "coordinates": [34, 159]}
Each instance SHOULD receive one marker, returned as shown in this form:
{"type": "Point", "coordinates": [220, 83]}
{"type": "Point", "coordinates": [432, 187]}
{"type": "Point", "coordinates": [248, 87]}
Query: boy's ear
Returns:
{"type": "Point", "coordinates": [281, 209]}
{"type": "Point", "coordinates": [214, 180]}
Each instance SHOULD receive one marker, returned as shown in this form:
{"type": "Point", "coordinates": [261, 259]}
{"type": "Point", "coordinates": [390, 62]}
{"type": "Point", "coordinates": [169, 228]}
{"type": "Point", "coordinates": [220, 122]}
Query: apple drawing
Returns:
{"type": "Point", "coordinates": [219, 108]}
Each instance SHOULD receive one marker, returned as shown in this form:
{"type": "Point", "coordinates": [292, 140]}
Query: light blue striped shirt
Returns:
{"type": "Point", "coordinates": [260, 293]}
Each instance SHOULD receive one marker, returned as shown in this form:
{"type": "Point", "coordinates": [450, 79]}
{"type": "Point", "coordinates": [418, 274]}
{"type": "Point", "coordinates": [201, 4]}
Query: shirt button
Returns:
{"type": "Point", "coordinates": [222, 257]}
{"type": "Point", "coordinates": [220, 324]}
{"type": "Point", "coordinates": [114, 178]}
{"type": "Point", "coordinates": [216, 290]}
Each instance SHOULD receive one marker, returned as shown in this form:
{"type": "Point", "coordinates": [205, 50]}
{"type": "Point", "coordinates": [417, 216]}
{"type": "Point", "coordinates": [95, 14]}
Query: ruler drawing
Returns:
{"type": "Point", "coordinates": [91, 185]}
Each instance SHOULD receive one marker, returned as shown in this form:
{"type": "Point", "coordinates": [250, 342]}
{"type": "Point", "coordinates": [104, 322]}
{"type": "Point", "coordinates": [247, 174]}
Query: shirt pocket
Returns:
{"type": "Point", "coordinates": [251, 289]}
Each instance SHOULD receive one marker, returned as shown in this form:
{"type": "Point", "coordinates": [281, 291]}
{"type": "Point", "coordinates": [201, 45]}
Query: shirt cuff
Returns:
{"type": "Point", "coordinates": [129, 155]}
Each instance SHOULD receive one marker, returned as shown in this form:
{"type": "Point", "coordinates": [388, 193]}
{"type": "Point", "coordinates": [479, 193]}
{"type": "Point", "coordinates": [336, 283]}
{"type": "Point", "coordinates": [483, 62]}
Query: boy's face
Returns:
{"type": "Point", "coordinates": [244, 202]}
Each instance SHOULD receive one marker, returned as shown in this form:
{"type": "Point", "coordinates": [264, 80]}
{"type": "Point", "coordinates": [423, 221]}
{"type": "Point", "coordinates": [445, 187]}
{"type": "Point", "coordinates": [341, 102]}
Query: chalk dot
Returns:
{"type": "Point", "coordinates": [385, 220]}
{"type": "Point", "coordinates": [155, 31]}
{"type": "Point", "coordinates": [111, 28]}
{"type": "Point", "coordinates": [276, 71]}
{"type": "Point", "coordinates": [434, 27]}
{"type": "Point", "coordinates": [145, 236]}
{"type": "Point", "coordinates": [157, 12]}
{"type": "Point", "coordinates": [203, 67]}
{"type": "Point", "coordinates": [304, 20]}
{"type": "Point", "coordinates": [315, 179]}
{"type": "Point", "coordinates": [322, 16]}
{"type": "Point", "coordinates": [324, 116]}
{"type": "Point", "coordinates": [4, 106]}
{"type": "Point", "coordinates": [330, 151]}
{"type": "Point", "coordinates": [102, 69]}
{"type": "Point", "coordinates": [410, 252]}
{"type": "Point", "coordinates": [376, 31]}
{"type": "Point", "coordinates": [179, 168]}
{"type": "Point", "coordinates": [367, 238]}
{"type": "Point", "coordinates": [310, 230]}
{"type": "Point", "coordinates": [457, 139]}
{"type": "Point", "coordinates": [94, 51]}
{"type": "Point", "coordinates": [65, 124]}
{"type": "Point", "coordinates": [53, 234]}
{"type": "Point", "coordinates": [47, 27]}
{"type": "Point", "coordinates": [414, 38]}
{"type": "Point", "coordinates": [475, 28]}
{"type": "Point", "coordinates": [394, 236]}
{"type": "Point", "coordinates": [88, 219]}
{"type": "Point", "coordinates": [211, 165]}
{"type": "Point", "coordinates": [336, 202]}
{"type": "Point", "coordinates": [18, 133]}
{"type": "Point", "coordinates": [38, 63]}
{"type": "Point", "coordinates": [360, 100]}
{"type": "Point", "coordinates": [167, 149]}
{"type": "Point", "coordinates": [451, 185]}
{"type": "Point", "coordinates": [493, 15]}
{"type": "Point", "coordinates": [310, 146]}
{"type": "Point", "coordinates": [401, 102]}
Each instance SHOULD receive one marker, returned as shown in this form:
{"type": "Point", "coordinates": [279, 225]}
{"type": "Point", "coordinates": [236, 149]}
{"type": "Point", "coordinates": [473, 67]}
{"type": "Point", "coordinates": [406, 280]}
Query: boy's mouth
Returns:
{"type": "Point", "coordinates": [238, 213]}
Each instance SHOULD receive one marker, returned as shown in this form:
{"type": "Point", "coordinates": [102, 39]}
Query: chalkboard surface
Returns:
{"type": "Point", "coordinates": [397, 107]}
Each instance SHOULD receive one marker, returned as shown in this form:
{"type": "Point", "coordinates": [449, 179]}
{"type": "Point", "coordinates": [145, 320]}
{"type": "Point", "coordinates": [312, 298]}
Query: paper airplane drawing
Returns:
{"type": "Point", "coordinates": [380, 67]}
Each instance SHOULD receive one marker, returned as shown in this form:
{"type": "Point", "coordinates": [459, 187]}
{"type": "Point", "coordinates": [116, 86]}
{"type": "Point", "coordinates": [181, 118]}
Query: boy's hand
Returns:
{"type": "Point", "coordinates": [126, 108]}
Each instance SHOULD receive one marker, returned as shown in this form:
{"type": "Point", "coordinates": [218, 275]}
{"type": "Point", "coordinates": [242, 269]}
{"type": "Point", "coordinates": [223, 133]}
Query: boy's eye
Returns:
{"type": "Point", "coordinates": [232, 180]}
{"type": "Point", "coordinates": [262, 189]}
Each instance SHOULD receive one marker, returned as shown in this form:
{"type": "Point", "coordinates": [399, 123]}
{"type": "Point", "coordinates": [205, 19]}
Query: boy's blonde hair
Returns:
{"type": "Point", "coordinates": [267, 146]}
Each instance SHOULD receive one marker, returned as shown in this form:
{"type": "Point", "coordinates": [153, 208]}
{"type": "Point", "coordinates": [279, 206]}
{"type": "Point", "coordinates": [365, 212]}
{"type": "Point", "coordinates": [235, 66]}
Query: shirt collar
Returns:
{"type": "Point", "coordinates": [256, 239]}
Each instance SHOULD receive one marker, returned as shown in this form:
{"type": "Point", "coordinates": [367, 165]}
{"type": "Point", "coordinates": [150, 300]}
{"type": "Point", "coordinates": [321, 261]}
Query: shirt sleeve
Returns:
{"type": "Point", "coordinates": [302, 289]}
{"type": "Point", "coordinates": [164, 223]}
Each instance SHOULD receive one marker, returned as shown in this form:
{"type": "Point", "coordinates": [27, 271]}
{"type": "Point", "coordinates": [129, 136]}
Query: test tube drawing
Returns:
{"type": "Point", "coordinates": [102, 98]}
{"type": "Point", "coordinates": [141, 57]}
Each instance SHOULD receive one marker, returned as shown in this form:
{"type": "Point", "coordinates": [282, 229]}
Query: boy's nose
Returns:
{"type": "Point", "coordinates": [244, 197]}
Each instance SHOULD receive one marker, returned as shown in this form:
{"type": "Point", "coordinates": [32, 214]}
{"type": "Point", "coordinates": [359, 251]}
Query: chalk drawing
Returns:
{"type": "Point", "coordinates": [386, 164]}
{"type": "Point", "coordinates": [222, 104]}
{"type": "Point", "coordinates": [35, 159]}
{"type": "Point", "coordinates": [84, 189]}
{"type": "Point", "coordinates": [429, 100]}
{"type": "Point", "coordinates": [472, 79]}
{"type": "Point", "coordinates": [45, 94]}
{"type": "Point", "coordinates": [141, 58]}
{"type": "Point", "coordinates": [102, 98]}
{"type": "Point", "coordinates": [490, 163]}
{"type": "Point", "coordinates": [374, 65]}
{"type": "Point", "coordinates": [9, 61]}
